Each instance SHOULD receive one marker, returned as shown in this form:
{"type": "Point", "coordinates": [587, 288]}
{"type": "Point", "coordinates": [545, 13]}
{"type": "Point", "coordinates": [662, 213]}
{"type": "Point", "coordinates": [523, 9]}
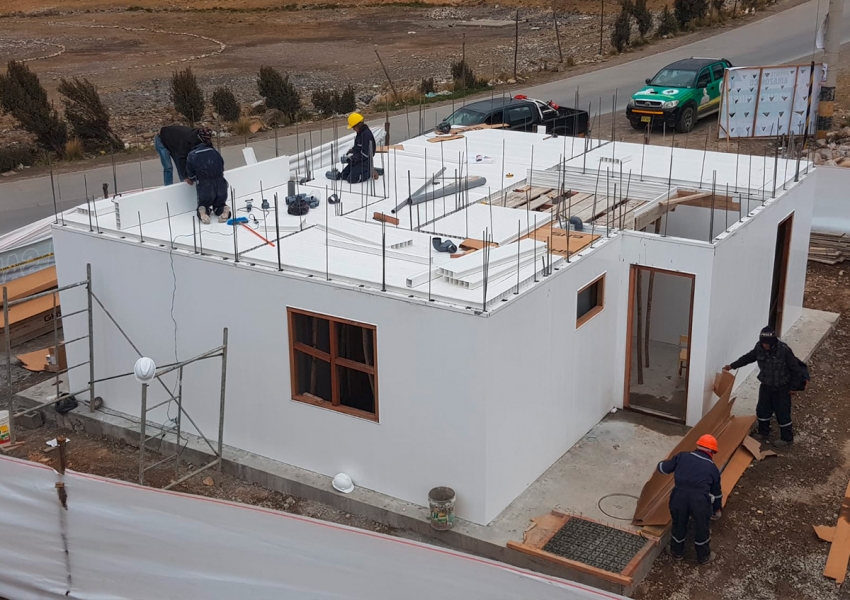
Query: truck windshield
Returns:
{"type": "Point", "coordinates": [676, 78]}
{"type": "Point", "coordinates": [464, 117]}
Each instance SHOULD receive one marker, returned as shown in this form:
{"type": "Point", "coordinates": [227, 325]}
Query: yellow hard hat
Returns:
{"type": "Point", "coordinates": [354, 118]}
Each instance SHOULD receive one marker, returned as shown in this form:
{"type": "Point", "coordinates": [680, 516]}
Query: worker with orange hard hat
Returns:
{"type": "Point", "coordinates": [696, 494]}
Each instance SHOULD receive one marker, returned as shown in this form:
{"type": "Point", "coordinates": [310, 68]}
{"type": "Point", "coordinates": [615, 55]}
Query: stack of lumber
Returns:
{"type": "Point", "coordinates": [32, 318]}
{"type": "Point", "coordinates": [829, 248]}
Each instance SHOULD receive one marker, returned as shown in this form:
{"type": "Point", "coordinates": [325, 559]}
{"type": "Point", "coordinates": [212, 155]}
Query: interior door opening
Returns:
{"type": "Point", "coordinates": [658, 354]}
{"type": "Point", "coordinates": [780, 271]}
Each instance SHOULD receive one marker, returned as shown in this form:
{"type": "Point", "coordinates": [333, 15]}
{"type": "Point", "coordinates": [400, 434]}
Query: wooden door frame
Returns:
{"type": "Point", "coordinates": [630, 321]}
{"type": "Point", "coordinates": [783, 276]}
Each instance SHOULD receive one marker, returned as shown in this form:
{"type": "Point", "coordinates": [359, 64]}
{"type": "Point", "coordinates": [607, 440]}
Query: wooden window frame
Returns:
{"type": "Point", "coordinates": [334, 360]}
{"type": "Point", "coordinates": [600, 301]}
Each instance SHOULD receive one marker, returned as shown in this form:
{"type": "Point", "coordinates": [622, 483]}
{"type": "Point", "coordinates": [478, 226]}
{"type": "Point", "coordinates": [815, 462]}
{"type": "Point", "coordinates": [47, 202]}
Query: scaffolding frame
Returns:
{"type": "Point", "coordinates": [94, 402]}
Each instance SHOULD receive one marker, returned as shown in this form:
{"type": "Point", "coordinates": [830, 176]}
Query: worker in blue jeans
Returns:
{"type": "Point", "coordinates": [173, 143]}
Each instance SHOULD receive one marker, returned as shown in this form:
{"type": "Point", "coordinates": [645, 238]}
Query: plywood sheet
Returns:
{"type": "Point", "coordinates": [839, 552]}
{"type": "Point", "coordinates": [34, 283]}
{"type": "Point", "coordinates": [30, 309]}
{"type": "Point", "coordinates": [733, 471]}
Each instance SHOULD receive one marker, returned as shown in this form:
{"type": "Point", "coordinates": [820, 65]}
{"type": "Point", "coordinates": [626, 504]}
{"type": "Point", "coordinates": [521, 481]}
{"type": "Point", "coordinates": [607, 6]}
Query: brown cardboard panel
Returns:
{"type": "Point", "coordinates": [839, 552]}
{"type": "Point", "coordinates": [824, 532]}
{"type": "Point", "coordinates": [733, 471]}
{"type": "Point", "coordinates": [29, 309]}
{"type": "Point", "coordinates": [34, 283]}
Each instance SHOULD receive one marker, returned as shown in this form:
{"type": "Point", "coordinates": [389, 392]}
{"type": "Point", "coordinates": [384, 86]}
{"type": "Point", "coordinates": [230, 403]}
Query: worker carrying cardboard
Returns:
{"type": "Point", "coordinates": [358, 160]}
{"type": "Point", "coordinates": [780, 373]}
{"type": "Point", "coordinates": [205, 170]}
{"type": "Point", "coordinates": [696, 494]}
{"type": "Point", "coordinates": [173, 143]}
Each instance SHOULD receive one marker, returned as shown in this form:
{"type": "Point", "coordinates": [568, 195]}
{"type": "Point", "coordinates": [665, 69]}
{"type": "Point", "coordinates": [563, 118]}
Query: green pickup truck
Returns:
{"type": "Point", "coordinates": [679, 95]}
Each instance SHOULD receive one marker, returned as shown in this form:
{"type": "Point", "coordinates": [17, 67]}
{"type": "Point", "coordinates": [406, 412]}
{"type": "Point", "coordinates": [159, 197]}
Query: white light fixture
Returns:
{"type": "Point", "coordinates": [144, 370]}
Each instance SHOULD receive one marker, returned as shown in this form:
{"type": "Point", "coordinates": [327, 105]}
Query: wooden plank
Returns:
{"type": "Point", "coordinates": [445, 138]}
{"type": "Point", "coordinates": [381, 217]}
{"type": "Point", "coordinates": [733, 471]}
{"type": "Point", "coordinates": [473, 244]}
{"type": "Point", "coordinates": [570, 564]}
{"type": "Point", "coordinates": [824, 532]}
{"type": "Point", "coordinates": [839, 552]}
{"type": "Point", "coordinates": [34, 283]}
{"type": "Point", "coordinates": [383, 149]}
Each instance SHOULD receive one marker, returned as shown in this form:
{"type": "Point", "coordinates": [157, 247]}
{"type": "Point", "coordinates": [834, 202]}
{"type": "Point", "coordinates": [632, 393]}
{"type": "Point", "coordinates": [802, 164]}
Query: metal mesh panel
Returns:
{"type": "Point", "coordinates": [595, 545]}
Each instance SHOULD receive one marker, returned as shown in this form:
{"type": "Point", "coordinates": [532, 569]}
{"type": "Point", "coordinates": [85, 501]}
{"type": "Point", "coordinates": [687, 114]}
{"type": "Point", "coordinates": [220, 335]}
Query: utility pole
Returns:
{"type": "Point", "coordinates": [832, 48]}
{"type": "Point", "coordinates": [601, 24]}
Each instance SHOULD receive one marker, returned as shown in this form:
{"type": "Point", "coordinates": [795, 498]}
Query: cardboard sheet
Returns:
{"type": "Point", "coordinates": [34, 283]}
{"type": "Point", "coordinates": [839, 552]}
{"type": "Point", "coordinates": [30, 309]}
{"type": "Point", "coordinates": [38, 361]}
{"type": "Point", "coordinates": [733, 471]}
{"type": "Point", "coordinates": [824, 532]}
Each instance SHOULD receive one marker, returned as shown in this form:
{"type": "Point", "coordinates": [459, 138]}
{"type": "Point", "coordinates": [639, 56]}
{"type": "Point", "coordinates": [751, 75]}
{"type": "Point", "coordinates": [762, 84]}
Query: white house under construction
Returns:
{"type": "Point", "coordinates": [581, 276]}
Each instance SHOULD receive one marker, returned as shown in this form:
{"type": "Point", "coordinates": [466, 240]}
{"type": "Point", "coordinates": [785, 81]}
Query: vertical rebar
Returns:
{"type": "Point", "coordinates": [277, 228]}
{"type": "Point", "coordinates": [90, 293]}
{"type": "Point", "coordinates": [518, 230]}
{"type": "Point", "coordinates": [143, 433]}
{"type": "Point", "coordinates": [55, 345]}
{"type": "Point", "coordinates": [221, 406]}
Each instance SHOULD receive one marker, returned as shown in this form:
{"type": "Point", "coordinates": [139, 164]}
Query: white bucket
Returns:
{"type": "Point", "coordinates": [4, 427]}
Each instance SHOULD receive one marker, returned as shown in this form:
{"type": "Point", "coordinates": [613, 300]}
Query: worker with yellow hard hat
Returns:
{"type": "Point", "coordinates": [696, 494]}
{"type": "Point", "coordinates": [358, 160]}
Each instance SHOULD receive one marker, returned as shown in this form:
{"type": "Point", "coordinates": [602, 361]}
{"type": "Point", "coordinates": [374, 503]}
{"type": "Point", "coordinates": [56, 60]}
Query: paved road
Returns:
{"type": "Point", "coordinates": [785, 37]}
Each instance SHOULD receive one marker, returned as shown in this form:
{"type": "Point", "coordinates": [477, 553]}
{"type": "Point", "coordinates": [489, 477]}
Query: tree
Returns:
{"type": "Point", "coordinates": [667, 24]}
{"type": "Point", "coordinates": [622, 32]}
{"type": "Point", "coordinates": [717, 5]}
{"type": "Point", "coordinates": [643, 17]}
{"type": "Point", "coordinates": [187, 96]}
{"type": "Point", "coordinates": [329, 102]}
{"type": "Point", "coordinates": [224, 103]}
{"type": "Point", "coordinates": [689, 10]}
{"type": "Point", "coordinates": [23, 97]}
{"type": "Point", "coordinates": [463, 76]}
{"type": "Point", "coordinates": [86, 114]}
{"type": "Point", "coordinates": [278, 92]}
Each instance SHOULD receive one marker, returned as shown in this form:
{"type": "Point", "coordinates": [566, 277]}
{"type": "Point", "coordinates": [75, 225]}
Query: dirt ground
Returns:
{"type": "Point", "coordinates": [765, 543]}
{"type": "Point", "coordinates": [130, 49]}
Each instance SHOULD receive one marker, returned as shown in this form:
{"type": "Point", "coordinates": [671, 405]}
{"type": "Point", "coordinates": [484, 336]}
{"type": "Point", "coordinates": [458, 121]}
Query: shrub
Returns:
{"type": "Point", "coordinates": [717, 5]}
{"type": "Point", "coordinates": [689, 10]}
{"type": "Point", "coordinates": [462, 75]}
{"type": "Point", "coordinates": [667, 24]}
{"type": "Point", "coordinates": [242, 126]}
{"type": "Point", "coordinates": [427, 86]}
{"type": "Point", "coordinates": [186, 95]}
{"type": "Point", "coordinates": [224, 103]}
{"type": "Point", "coordinates": [13, 156]}
{"type": "Point", "coordinates": [75, 149]}
{"type": "Point", "coordinates": [643, 17]}
{"type": "Point", "coordinates": [329, 102]}
{"type": "Point", "coordinates": [87, 116]}
{"type": "Point", "coordinates": [622, 32]}
{"type": "Point", "coordinates": [279, 92]}
{"type": "Point", "coordinates": [23, 97]}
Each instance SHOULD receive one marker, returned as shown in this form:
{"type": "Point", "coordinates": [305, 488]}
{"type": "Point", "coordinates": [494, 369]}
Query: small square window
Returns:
{"type": "Point", "coordinates": [590, 301]}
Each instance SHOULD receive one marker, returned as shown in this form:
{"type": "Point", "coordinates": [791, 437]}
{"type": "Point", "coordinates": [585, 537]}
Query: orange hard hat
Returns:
{"type": "Point", "coordinates": [708, 441]}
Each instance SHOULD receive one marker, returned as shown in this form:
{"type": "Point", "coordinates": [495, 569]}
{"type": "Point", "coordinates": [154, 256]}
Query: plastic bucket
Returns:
{"type": "Point", "coordinates": [441, 501]}
{"type": "Point", "coordinates": [4, 427]}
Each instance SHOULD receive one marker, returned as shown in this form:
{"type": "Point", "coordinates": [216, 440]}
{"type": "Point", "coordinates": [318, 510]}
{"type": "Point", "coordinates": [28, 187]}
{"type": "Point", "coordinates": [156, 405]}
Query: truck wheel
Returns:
{"type": "Point", "coordinates": [637, 125]}
{"type": "Point", "coordinates": [687, 118]}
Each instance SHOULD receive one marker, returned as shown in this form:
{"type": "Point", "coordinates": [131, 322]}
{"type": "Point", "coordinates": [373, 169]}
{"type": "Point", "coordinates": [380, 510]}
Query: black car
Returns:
{"type": "Point", "coordinates": [520, 114]}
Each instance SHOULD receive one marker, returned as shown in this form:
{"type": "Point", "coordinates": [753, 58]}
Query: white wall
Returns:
{"type": "Point", "coordinates": [693, 222]}
{"type": "Point", "coordinates": [671, 306]}
{"type": "Point", "coordinates": [832, 201]}
{"type": "Point", "coordinates": [431, 366]}
{"type": "Point", "coordinates": [743, 271]}
{"type": "Point", "coordinates": [548, 383]}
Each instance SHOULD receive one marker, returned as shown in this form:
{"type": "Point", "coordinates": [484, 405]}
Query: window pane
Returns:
{"type": "Point", "coordinates": [312, 331]}
{"type": "Point", "coordinates": [588, 299]}
{"type": "Point", "coordinates": [356, 389]}
{"type": "Point", "coordinates": [313, 376]}
{"type": "Point", "coordinates": [356, 343]}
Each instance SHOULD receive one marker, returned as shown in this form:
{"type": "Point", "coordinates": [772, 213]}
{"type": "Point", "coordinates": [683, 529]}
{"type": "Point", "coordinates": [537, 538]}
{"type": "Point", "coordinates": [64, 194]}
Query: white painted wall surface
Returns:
{"type": "Point", "coordinates": [431, 366]}
{"type": "Point", "coordinates": [832, 202]}
{"type": "Point", "coordinates": [743, 270]}
{"type": "Point", "coordinates": [693, 222]}
{"type": "Point", "coordinates": [548, 383]}
{"type": "Point", "coordinates": [671, 306]}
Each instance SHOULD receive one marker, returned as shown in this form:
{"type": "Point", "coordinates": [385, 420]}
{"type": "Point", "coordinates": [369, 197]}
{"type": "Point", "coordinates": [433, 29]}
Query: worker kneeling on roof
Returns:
{"type": "Point", "coordinates": [696, 494]}
{"type": "Point", "coordinates": [358, 167]}
{"type": "Point", "coordinates": [205, 170]}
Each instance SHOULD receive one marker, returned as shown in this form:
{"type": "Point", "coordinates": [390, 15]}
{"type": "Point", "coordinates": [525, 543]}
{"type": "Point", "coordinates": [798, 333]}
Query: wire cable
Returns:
{"type": "Point", "coordinates": [599, 505]}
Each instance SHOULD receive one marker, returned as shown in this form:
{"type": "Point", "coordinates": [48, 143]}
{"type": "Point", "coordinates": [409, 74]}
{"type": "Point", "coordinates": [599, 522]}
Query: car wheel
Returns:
{"type": "Point", "coordinates": [687, 118]}
{"type": "Point", "coordinates": [637, 125]}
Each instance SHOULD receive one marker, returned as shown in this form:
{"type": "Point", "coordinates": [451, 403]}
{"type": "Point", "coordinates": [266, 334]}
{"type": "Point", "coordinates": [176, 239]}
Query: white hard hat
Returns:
{"type": "Point", "coordinates": [342, 483]}
{"type": "Point", "coordinates": [144, 370]}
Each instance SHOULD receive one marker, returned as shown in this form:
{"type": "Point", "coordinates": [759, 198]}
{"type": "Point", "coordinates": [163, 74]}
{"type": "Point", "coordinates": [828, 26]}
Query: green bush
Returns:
{"type": "Point", "coordinates": [86, 114]}
{"type": "Point", "coordinates": [186, 95]}
{"type": "Point", "coordinates": [463, 76]}
{"type": "Point", "coordinates": [427, 86]}
{"type": "Point", "coordinates": [643, 17]}
{"type": "Point", "coordinates": [622, 32]}
{"type": "Point", "coordinates": [279, 93]}
{"type": "Point", "coordinates": [13, 156]}
{"type": "Point", "coordinates": [329, 102]}
{"type": "Point", "coordinates": [689, 10]}
{"type": "Point", "coordinates": [224, 103]}
{"type": "Point", "coordinates": [23, 97]}
{"type": "Point", "coordinates": [667, 24]}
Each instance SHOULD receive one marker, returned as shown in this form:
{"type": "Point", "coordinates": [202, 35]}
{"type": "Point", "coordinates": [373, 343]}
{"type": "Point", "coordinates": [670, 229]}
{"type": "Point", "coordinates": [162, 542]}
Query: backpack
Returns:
{"type": "Point", "coordinates": [799, 384]}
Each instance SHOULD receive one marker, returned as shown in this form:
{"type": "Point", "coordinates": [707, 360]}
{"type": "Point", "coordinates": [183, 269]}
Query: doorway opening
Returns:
{"type": "Point", "coordinates": [780, 271]}
{"type": "Point", "coordinates": [658, 348]}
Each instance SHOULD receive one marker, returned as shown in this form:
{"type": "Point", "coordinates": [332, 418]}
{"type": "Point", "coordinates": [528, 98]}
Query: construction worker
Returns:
{"type": "Point", "coordinates": [205, 170]}
{"type": "Point", "coordinates": [173, 143]}
{"type": "Point", "coordinates": [778, 370]}
{"type": "Point", "coordinates": [696, 494]}
{"type": "Point", "coordinates": [358, 160]}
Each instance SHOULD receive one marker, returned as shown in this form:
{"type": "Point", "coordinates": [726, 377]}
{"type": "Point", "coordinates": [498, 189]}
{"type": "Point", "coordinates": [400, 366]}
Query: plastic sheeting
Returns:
{"type": "Point", "coordinates": [26, 250]}
{"type": "Point", "coordinates": [127, 541]}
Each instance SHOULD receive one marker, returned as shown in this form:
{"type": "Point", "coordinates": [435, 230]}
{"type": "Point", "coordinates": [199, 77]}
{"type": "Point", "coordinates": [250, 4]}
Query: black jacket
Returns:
{"type": "Point", "coordinates": [205, 166]}
{"type": "Point", "coordinates": [364, 146]}
{"type": "Point", "coordinates": [179, 141]}
{"type": "Point", "coordinates": [695, 472]}
{"type": "Point", "coordinates": [778, 367]}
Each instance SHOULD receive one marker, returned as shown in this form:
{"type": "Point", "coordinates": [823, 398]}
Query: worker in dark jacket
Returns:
{"type": "Point", "coordinates": [696, 494]}
{"type": "Point", "coordinates": [359, 158]}
{"type": "Point", "coordinates": [174, 142]}
{"type": "Point", "coordinates": [205, 170]}
{"type": "Point", "coordinates": [778, 369]}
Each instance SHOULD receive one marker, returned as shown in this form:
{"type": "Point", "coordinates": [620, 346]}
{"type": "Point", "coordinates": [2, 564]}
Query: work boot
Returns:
{"type": "Point", "coordinates": [708, 559]}
{"type": "Point", "coordinates": [673, 556]}
{"type": "Point", "coordinates": [203, 215]}
{"type": "Point", "coordinates": [225, 214]}
{"type": "Point", "coordinates": [783, 443]}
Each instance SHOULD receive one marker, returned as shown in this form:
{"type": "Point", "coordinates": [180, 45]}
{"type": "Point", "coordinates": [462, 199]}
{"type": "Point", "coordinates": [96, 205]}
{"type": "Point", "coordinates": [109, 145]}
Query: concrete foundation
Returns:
{"type": "Point", "coordinates": [600, 477]}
